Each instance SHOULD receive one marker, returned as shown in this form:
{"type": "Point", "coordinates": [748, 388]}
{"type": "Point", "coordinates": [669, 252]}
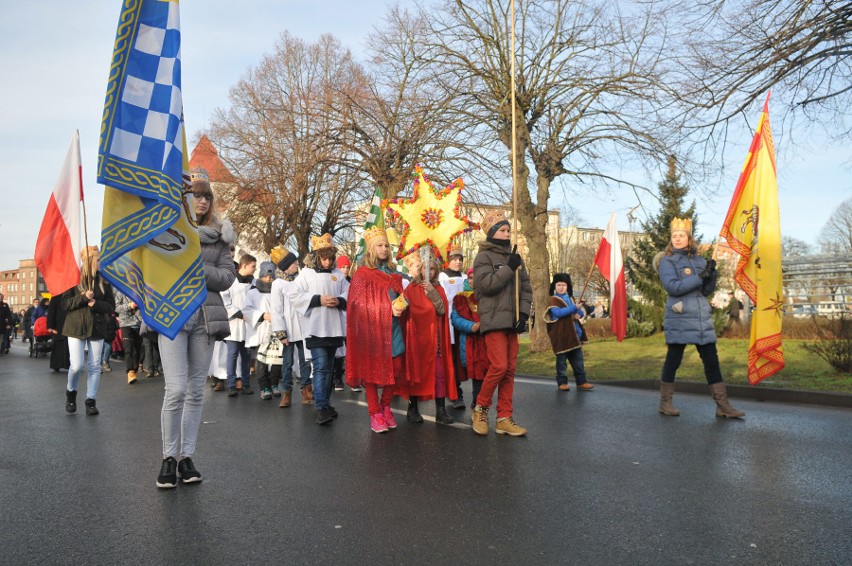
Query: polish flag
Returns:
{"type": "Point", "coordinates": [608, 259]}
{"type": "Point", "coordinates": [57, 250]}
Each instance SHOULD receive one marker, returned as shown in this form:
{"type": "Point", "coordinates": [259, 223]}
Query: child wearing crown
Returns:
{"type": "Point", "coordinates": [689, 279]}
{"type": "Point", "coordinates": [374, 323]}
{"type": "Point", "coordinates": [429, 362]}
{"type": "Point", "coordinates": [320, 296]}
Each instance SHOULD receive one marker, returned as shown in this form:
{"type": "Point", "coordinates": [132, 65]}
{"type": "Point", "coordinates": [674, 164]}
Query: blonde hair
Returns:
{"type": "Point", "coordinates": [88, 273]}
{"type": "Point", "coordinates": [203, 187]}
{"type": "Point", "coordinates": [371, 258]}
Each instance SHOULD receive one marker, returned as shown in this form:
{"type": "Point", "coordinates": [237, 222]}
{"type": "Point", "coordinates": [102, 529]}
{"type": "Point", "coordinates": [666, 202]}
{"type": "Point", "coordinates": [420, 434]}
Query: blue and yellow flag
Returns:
{"type": "Point", "coordinates": [149, 241]}
{"type": "Point", "coordinates": [753, 230]}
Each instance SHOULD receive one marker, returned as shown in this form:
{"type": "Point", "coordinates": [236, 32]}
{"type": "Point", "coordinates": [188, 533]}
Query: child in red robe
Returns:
{"type": "Point", "coordinates": [429, 363]}
{"type": "Point", "coordinates": [374, 329]}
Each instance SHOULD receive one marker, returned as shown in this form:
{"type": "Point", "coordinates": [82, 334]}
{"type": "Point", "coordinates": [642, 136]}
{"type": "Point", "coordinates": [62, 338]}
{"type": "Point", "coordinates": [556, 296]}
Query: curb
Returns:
{"type": "Point", "coordinates": [842, 400]}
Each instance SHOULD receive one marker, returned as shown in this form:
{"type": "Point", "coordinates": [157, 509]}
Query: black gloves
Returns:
{"type": "Point", "coordinates": [521, 325]}
{"type": "Point", "coordinates": [514, 261]}
{"type": "Point", "coordinates": [708, 271]}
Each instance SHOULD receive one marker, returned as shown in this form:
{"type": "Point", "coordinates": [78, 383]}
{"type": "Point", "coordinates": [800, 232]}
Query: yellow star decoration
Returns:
{"type": "Point", "coordinates": [430, 217]}
{"type": "Point", "coordinates": [776, 304]}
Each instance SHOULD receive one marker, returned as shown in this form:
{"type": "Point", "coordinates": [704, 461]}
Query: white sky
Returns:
{"type": "Point", "coordinates": [55, 55]}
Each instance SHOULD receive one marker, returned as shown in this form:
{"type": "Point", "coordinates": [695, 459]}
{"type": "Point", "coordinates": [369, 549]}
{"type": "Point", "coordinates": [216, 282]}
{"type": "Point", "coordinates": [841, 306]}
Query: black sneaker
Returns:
{"type": "Point", "coordinates": [232, 392]}
{"type": "Point", "coordinates": [70, 401]}
{"type": "Point", "coordinates": [187, 471]}
{"type": "Point", "coordinates": [333, 411]}
{"type": "Point", "coordinates": [168, 474]}
{"type": "Point", "coordinates": [324, 415]}
{"type": "Point", "coordinates": [247, 390]}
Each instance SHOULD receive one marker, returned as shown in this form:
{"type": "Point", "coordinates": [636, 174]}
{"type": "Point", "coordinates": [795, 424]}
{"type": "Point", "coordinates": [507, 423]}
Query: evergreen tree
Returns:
{"type": "Point", "coordinates": [640, 266]}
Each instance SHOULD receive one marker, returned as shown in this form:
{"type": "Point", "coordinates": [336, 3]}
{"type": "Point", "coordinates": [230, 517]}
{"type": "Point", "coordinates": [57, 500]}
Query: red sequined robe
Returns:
{"type": "Point", "coordinates": [369, 339]}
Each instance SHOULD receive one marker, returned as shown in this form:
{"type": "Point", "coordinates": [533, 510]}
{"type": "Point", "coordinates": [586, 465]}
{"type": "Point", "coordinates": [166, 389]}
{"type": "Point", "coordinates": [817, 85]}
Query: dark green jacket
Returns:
{"type": "Point", "coordinates": [83, 321]}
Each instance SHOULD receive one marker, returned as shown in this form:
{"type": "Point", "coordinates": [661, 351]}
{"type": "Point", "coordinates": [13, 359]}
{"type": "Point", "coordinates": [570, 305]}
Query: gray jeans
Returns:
{"type": "Point", "coordinates": [185, 361]}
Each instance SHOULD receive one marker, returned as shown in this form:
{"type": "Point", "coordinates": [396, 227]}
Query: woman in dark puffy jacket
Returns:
{"type": "Point", "coordinates": [689, 279]}
{"type": "Point", "coordinates": [87, 307]}
{"type": "Point", "coordinates": [187, 357]}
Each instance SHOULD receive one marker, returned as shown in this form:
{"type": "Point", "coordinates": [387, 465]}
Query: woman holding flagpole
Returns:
{"type": "Point", "coordinates": [689, 279]}
{"type": "Point", "coordinates": [87, 306]}
{"type": "Point", "coordinates": [187, 358]}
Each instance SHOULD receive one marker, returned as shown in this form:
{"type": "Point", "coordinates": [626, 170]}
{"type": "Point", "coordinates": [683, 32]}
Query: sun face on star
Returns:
{"type": "Point", "coordinates": [430, 217]}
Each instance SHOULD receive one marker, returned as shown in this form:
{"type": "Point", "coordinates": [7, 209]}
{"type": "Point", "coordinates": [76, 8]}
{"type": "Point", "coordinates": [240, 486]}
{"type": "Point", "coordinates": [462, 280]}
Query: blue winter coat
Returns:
{"type": "Point", "coordinates": [688, 317]}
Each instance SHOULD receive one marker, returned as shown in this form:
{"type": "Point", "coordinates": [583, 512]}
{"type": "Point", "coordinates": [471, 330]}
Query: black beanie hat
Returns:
{"type": "Point", "coordinates": [562, 278]}
{"type": "Point", "coordinates": [287, 261]}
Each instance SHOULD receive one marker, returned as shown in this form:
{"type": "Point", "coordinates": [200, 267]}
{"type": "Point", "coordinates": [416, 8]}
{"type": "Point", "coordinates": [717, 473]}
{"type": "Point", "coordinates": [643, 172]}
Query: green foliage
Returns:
{"type": "Point", "coordinates": [646, 313]}
{"type": "Point", "coordinates": [636, 329]}
{"type": "Point", "coordinates": [640, 265]}
{"type": "Point", "coordinates": [720, 319]}
{"type": "Point", "coordinates": [835, 344]}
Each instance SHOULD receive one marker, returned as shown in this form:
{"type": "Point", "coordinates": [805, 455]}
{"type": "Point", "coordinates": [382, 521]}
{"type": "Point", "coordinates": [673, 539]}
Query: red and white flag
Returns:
{"type": "Point", "coordinates": [57, 250]}
{"type": "Point", "coordinates": [608, 259]}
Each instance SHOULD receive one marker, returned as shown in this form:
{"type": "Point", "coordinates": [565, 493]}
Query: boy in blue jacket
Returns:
{"type": "Point", "coordinates": [563, 326]}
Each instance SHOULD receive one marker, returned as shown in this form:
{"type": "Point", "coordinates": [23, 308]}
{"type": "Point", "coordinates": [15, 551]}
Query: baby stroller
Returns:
{"type": "Point", "coordinates": [41, 343]}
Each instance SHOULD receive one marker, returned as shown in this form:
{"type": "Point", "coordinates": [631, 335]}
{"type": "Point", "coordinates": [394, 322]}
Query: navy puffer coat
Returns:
{"type": "Point", "coordinates": [689, 317]}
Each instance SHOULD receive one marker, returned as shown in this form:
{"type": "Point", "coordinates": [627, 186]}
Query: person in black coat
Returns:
{"type": "Point", "coordinates": [59, 358]}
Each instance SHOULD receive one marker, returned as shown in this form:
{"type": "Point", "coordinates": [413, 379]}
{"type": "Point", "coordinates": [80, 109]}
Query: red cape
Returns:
{"type": "Point", "coordinates": [369, 344]}
{"type": "Point", "coordinates": [424, 333]}
{"type": "Point", "coordinates": [475, 354]}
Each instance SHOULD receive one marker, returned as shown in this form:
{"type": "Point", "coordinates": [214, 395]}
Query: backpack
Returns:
{"type": "Point", "coordinates": [40, 327]}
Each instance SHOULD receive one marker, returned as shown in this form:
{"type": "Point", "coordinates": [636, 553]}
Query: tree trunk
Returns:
{"type": "Point", "coordinates": [534, 219]}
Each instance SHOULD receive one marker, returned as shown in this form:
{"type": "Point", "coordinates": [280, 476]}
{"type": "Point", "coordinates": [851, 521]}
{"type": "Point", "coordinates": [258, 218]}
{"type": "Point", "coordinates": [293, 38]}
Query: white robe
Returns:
{"type": "Point", "coordinates": [321, 322]}
{"type": "Point", "coordinates": [234, 299]}
{"type": "Point", "coordinates": [452, 287]}
{"type": "Point", "coordinates": [258, 330]}
{"type": "Point", "coordinates": [284, 315]}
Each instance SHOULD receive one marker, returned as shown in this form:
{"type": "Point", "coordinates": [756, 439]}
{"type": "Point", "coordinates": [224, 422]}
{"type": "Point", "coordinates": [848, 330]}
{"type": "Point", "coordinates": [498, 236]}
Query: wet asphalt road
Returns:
{"type": "Point", "coordinates": [601, 479]}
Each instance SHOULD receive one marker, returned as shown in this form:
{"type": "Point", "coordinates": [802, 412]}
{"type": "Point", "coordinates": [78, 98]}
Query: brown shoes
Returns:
{"type": "Point", "coordinates": [307, 395]}
{"type": "Point", "coordinates": [480, 420]}
{"type": "Point", "coordinates": [508, 426]}
{"type": "Point", "coordinates": [564, 387]}
{"type": "Point", "coordinates": [585, 387]}
{"type": "Point", "coordinates": [285, 399]}
{"type": "Point", "coordinates": [131, 377]}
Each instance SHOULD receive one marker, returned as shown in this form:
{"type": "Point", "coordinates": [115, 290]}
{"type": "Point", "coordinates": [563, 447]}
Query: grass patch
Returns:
{"type": "Point", "coordinates": [642, 358]}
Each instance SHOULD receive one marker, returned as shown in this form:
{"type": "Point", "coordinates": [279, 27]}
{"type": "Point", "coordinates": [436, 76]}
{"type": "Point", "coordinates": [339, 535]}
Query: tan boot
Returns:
{"type": "Point", "coordinates": [285, 399]}
{"type": "Point", "coordinates": [480, 420]}
{"type": "Point", "coordinates": [666, 392]}
{"type": "Point", "coordinates": [508, 426]}
{"type": "Point", "coordinates": [723, 406]}
{"type": "Point", "coordinates": [131, 377]}
{"type": "Point", "coordinates": [307, 395]}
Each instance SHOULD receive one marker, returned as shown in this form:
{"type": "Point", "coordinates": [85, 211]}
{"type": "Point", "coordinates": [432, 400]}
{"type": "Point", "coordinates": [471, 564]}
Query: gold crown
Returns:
{"type": "Point", "coordinates": [198, 174]}
{"type": "Point", "coordinates": [321, 243]}
{"type": "Point", "coordinates": [682, 224]}
{"type": "Point", "coordinates": [455, 249]}
{"type": "Point", "coordinates": [491, 218]}
{"type": "Point", "coordinates": [278, 253]}
{"type": "Point", "coordinates": [372, 233]}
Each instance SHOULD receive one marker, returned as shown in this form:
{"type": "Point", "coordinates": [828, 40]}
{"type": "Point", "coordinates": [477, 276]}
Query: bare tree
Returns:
{"type": "Point", "coordinates": [836, 235]}
{"type": "Point", "coordinates": [740, 49]}
{"type": "Point", "coordinates": [793, 247]}
{"type": "Point", "coordinates": [292, 178]}
{"type": "Point", "coordinates": [588, 93]}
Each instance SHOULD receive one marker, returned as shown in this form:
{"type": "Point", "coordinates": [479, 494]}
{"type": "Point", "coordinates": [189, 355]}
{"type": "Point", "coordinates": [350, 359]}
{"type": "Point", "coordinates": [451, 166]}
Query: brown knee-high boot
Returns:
{"type": "Point", "coordinates": [666, 392]}
{"type": "Point", "coordinates": [723, 406]}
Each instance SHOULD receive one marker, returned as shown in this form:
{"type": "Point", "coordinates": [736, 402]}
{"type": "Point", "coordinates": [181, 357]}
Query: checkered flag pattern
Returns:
{"type": "Point", "coordinates": [374, 218]}
{"type": "Point", "coordinates": [147, 128]}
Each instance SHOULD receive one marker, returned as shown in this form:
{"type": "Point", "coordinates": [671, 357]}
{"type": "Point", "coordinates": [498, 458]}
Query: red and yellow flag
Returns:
{"type": "Point", "coordinates": [753, 230]}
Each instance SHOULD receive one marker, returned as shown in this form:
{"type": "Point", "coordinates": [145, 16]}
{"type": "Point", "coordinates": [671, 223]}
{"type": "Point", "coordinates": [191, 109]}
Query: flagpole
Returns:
{"type": "Point", "coordinates": [586, 284]}
{"type": "Point", "coordinates": [515, 171]}
{"type": "Point", "coordinates": [90, 282]}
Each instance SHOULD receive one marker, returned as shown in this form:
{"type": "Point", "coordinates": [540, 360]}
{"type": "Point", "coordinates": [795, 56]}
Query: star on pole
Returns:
{"type": "Point", "coordinates": [430, 217]}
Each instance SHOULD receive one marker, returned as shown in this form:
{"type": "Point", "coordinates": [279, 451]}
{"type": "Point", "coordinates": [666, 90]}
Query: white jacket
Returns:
{"type": "Point", "coordinates": [258, 330]}
{"type": "Point", "coordinates": [284, 315]}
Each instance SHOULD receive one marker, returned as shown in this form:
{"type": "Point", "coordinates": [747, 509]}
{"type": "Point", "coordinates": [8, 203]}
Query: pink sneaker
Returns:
{"type": "Point", "coordinates": [388, 416]}
{"type": "Point", "coordinates": [377, 423]}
